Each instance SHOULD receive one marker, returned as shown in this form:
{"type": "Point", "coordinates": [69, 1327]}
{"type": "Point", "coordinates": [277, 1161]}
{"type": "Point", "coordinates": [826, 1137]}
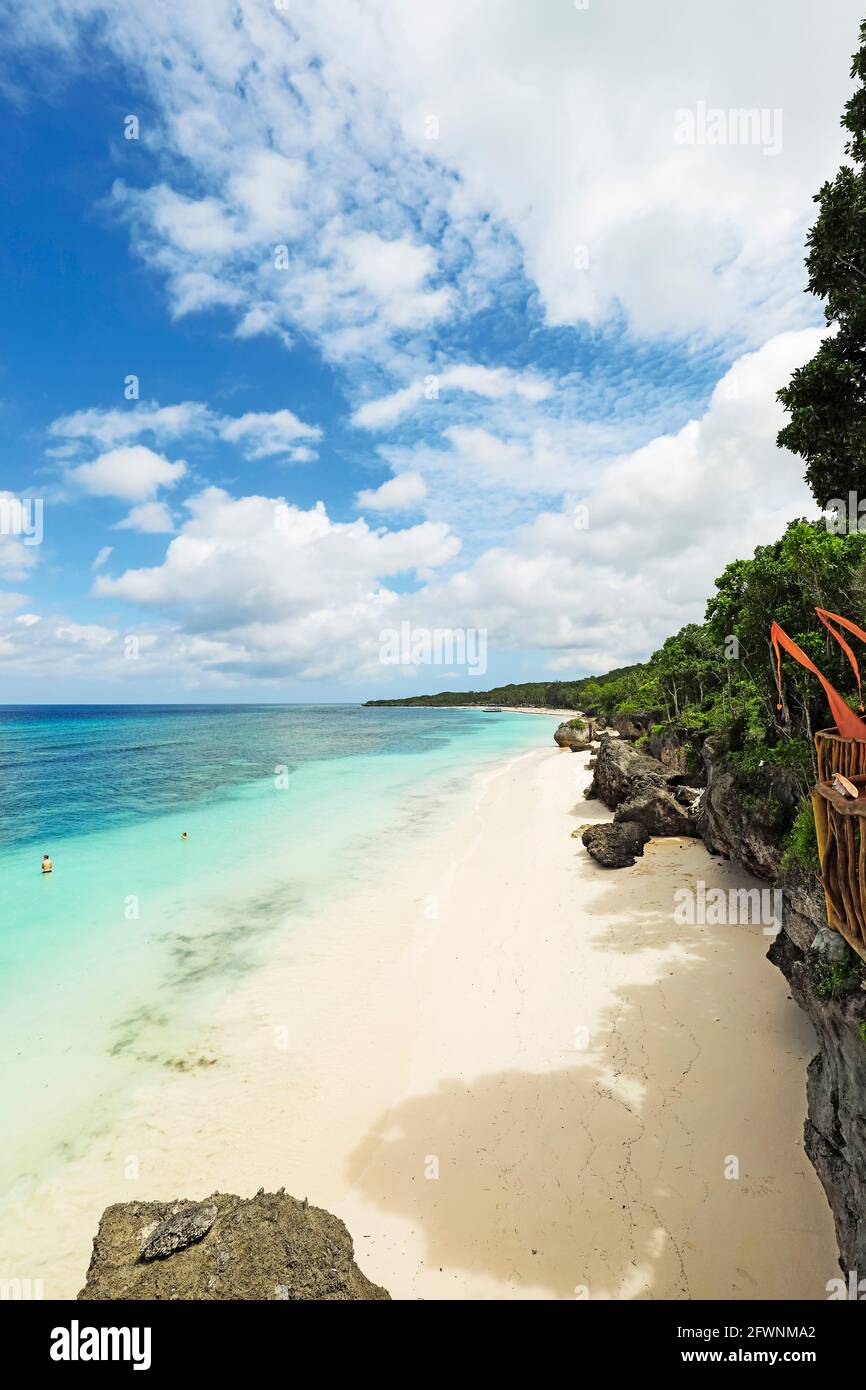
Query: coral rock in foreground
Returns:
{"type": "Point", "coordinates": [265, 1247]}
{"type": "Point", "coordinates": [615, 846]}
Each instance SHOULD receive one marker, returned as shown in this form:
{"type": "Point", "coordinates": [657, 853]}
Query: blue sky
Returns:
{"type": "Point", "coordinates": [434, 322]}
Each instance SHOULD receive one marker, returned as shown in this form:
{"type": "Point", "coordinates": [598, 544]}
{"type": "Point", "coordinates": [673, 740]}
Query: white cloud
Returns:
{"type": "Point", "coordinates": [554, 135]}
{"type": "Point", "coordinates": [291, 591]}
{"type": "Point", "coordinates": [89, 635]}
{"type": "Point", "coordinates": [398, 494]}
{"type": "Point", "coordinates": [285, 590]}
{"type": "Point", "coordinates": [262, 434]}
{"type": "Point", "coordinates": [259, 434]}
{"type": "Point", "coordinates": [663, 521]}
{"type": "Point", "coordinates": [313, 130]}
{"type": "Point", "coordinates": [376, 414]}
{"type": "Point", "coordinates": [132, 472]}
{"type": "Point", "coordinates": [149, 517]}
{"type": "Point", "coordinates": [102, 556]}
{"type": "Point", "coordinates": [493, 383]}
{"type": "Point", "coordinates": [108, 428]}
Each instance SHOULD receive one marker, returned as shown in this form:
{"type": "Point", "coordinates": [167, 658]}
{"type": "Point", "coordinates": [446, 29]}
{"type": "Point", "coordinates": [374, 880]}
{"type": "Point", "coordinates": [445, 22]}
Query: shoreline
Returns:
{"type": "Point", "coordinates": [493, 709]}
{"type": "Point", "coordinates": [506, 1069]}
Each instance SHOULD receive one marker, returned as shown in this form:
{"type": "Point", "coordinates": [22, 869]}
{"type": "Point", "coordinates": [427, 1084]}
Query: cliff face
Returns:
{"type": "Point", "coordinates": [835, 1128]}
{"type": "Point", "coordinates": [745, 814]}
{"type": "Point", "coordinates": [744, 817]}
{"type": "Point", "coordinates": [265, 1247]}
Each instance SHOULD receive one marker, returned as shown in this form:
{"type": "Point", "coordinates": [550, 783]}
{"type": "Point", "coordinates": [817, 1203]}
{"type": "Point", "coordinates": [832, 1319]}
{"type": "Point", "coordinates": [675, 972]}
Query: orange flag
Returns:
{"type": "Point", "coordinates": [857, 631]}
{"type": "Point", "coordinates": [846, 721]}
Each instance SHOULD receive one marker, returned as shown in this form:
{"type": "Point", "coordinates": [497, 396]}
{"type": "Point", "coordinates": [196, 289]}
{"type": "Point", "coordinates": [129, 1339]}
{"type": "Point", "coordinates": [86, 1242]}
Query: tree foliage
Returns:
{"type": "Point", "coordinates": [826, 398]}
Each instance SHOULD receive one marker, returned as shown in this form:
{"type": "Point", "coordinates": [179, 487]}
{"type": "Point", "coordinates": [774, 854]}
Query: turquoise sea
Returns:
{"type": "Point", "coordinates": [111, 966]}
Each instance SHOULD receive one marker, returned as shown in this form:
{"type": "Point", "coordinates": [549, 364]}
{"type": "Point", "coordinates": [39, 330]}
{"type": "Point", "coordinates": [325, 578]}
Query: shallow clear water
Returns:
{"type": "Point", "coordinates": [110, 966]}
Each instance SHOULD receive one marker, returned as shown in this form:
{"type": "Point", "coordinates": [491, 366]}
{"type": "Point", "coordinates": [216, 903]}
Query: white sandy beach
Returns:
{"type": "Point", "coordinates": [508, 1070]}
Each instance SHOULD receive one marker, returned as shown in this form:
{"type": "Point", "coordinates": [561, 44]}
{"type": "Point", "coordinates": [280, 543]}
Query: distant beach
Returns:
{"type": "Point", "coordinates": [509, 1071]}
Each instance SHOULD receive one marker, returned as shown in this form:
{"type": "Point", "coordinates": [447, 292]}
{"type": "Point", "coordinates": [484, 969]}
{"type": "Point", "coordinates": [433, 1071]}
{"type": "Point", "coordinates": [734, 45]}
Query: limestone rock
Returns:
{"type": "Point", "coordinates": [639, 788]}
{"type": "Point", "coordinates": [615, 846]}
{"type": "Point", "coordinates": [831, 948]}
{"type": "Point", "coordinates": [635, 724]}
{"type": "Point", "coordinates": [745, 814]}
{"type": "Point", "coordinates": [265, 1247]}
{"type": "Point", "coordinates": [834, 1132]}
{"type": "Point", "coordinates": [182, 1228]}
{"type": "Point", "coordinates": [656, 808]}
{"type": "Point", "coordinates": [573, 734]}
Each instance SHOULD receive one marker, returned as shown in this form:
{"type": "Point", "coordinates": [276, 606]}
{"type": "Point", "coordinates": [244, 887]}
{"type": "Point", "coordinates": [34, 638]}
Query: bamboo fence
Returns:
{"type": "Point", "coordinates": [840, 823]}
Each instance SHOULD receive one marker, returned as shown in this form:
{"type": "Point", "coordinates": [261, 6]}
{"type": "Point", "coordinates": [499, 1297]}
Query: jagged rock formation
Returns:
{"type": "Point", "coordinates": [633, 725]}
{"type": "Point", "coordinates": [265, 1247]}
{"type": "Point", "coordinates": [804, 911]}
{"type": "Point", "coordinates": [827, 982]}
{"type": "Point", "coordinates": [746, 813]}
{"type": "Point", "coordinates": [640, 789]}
{"type": "Point", "coordinates": [667, 746]}
{"type": "Point", "coordinates": [617, 845]}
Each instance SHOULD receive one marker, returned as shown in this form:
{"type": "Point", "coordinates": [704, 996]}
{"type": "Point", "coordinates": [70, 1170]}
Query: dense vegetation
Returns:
{"type": "Point", "coordinates": [719, 676]}
{"type": "Point", "coordinates": [551, 694]}
{"type": "Point", "coordinates": [826, 398]}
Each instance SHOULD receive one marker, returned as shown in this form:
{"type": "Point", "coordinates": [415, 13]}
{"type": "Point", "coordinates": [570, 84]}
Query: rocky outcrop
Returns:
{"type": "Point", "coordinates": [827, 982]}
{"type": "Point", "coordinates": [634, 725]}
{"type": "Point", "coordinates": [640, 789]}
{"type": "Point", "coordinates": [804, 910]}
{"type": "Point", "coordinates": [746, 811]}
{"type": "Point", "coordinates": [618, 765]}
{"type": "Point", "coordinates": [668, 746]}
{"type": "Point", "coordinates": [617, 845]}
{"type": "Point", "coordinates": [660, 810]}
{"type": "Point", "coordinates": [573, 734]}
{"type": "Point", "coordinates": [265, 1247]}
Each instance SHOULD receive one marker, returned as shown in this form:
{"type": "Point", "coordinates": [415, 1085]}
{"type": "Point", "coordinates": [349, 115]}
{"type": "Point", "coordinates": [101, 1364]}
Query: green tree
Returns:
{"type": "Point", "coordinates": [826, 398]}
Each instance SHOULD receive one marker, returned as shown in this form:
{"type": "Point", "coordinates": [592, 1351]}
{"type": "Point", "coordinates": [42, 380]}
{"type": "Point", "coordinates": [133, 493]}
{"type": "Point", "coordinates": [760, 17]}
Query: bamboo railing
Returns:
{"type": "Point", "coordinates": [840, 824]}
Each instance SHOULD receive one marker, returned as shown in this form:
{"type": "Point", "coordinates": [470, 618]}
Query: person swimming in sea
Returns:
{"type": "Point", "coordinates": [183, 835]}
{"type": "Point", "coordinates": [47, 865]}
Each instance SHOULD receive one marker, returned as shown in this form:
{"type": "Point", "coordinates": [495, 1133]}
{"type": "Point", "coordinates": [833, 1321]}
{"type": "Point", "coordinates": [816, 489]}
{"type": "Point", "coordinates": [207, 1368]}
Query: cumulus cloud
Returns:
{"type": "Point", "coordinates": [287, 591]}
{"type": "Point", "coordinates": [149, 517]}
{"type": "Point", "coordinates": [132, 472]}
{"type": "Point", "coordinates": [596, 582]}
{"type": "Point", "coordinates": [262, 434]}
{"type": "Point", "coordinates": [396, 495]}
{"type": "Point", "coordinates": [604, 580]}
